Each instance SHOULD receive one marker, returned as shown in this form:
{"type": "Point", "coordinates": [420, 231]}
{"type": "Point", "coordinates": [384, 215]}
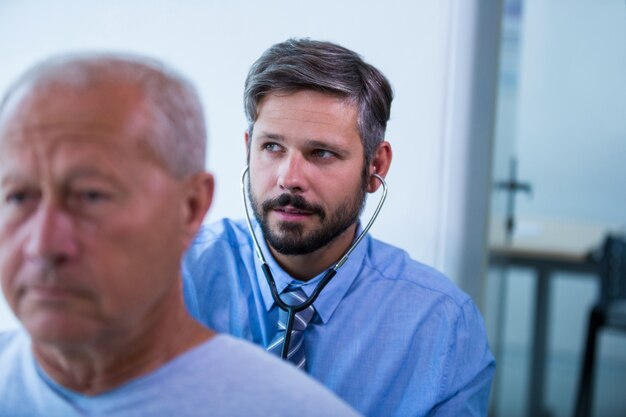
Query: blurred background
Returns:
{"type": "Point", "coordinates": [509, 136]}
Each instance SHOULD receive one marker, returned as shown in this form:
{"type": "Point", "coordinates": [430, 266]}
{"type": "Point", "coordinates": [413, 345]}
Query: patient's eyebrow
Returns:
{"type": "Point", "coordinates": [13, 178]}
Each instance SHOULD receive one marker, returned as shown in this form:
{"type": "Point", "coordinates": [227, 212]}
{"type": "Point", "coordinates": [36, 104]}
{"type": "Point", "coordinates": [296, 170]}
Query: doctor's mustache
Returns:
{"type": "Point", "coordinates": [296, 201]}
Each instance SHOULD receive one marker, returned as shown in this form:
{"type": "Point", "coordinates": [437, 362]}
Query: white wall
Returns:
{"type": "Point", "coordinates": [468, 139]}
{"type": "Point", "coordinates": [214, 43]}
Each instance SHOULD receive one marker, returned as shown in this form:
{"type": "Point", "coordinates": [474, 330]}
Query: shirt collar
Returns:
{"type": "Point", "coordinates": [331, 295]}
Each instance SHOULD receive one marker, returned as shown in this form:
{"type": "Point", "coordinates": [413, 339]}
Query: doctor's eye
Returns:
{"type": "Point", "coordinates": [272, 147]}
{"type": "Point", "coordinates": [323, 154]}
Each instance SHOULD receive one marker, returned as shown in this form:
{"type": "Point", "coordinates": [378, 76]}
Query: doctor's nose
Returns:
{"type": "Point", "coordinates": [50, 235]}
{"type": "Point", "coordinates": [291, 175]}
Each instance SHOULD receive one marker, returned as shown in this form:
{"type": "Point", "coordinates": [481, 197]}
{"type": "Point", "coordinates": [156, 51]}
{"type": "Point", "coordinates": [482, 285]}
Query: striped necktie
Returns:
{"type": "Point", "coordinates": [301, 320]}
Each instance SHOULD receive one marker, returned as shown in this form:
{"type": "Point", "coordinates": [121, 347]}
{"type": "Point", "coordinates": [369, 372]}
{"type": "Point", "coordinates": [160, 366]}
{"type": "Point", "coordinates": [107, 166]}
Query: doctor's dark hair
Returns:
{"type": "Point", "coordinates": [177, 130]}
{"type": "Point", "coordinates": [304, 64]}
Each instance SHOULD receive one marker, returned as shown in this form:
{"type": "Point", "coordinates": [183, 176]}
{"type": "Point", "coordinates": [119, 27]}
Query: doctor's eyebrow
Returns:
{"type": "Point", "coordinates": [270, 136]}
{"type": "Point", "coordinates": [310, 143]}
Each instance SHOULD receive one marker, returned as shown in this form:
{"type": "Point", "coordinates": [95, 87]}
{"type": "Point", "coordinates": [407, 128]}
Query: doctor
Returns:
{"type": "Point", "coordinates": [391, 336]}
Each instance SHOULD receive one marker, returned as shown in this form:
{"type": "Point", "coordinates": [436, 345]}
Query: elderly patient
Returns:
{"type": "Point", "coordinates": [102, 190]}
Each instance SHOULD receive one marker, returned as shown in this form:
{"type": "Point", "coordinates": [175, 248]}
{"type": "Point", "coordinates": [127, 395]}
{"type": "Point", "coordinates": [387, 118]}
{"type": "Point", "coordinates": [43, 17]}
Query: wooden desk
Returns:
{"type": "Point", "coordinates": [547, 246]}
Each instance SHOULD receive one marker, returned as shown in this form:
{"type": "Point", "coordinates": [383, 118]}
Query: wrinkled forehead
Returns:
{"type": "Point", "coordinates": [112, 113]}
{"type": "Point", "coordinates": [111, 105]}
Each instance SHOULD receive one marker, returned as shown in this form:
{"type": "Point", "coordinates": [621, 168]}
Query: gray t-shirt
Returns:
{"type": "Point", "coordinates": [222, 377]}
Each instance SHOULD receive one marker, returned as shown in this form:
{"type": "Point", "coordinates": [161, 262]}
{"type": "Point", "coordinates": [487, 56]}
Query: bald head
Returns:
{"type": "Point", "coordinates": [172, 113]}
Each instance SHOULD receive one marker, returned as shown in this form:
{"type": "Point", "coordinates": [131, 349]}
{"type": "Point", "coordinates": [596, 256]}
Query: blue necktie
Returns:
{"type": "Point", "coordinates": [301, 320]}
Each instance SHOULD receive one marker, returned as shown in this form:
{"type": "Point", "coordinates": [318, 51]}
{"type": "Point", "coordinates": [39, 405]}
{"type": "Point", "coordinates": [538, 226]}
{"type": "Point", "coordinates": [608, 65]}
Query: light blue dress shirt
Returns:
{"type": "Point", "coordinates": [393, 337]}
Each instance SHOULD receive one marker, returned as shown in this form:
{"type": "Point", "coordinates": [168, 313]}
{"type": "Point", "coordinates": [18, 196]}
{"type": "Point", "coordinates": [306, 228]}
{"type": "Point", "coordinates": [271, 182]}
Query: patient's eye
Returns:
{"type": "Point", "coordinates": [21, 197]}
{"type": "Point", "coordinates": [92, 196]}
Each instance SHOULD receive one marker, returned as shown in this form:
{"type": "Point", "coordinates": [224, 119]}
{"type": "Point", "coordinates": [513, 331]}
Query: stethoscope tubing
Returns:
{"type": "Point", "coordinates": [293, 309]}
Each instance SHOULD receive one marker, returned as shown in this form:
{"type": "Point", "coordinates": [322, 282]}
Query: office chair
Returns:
{"type": "Point", "coordinates": [609, 311]}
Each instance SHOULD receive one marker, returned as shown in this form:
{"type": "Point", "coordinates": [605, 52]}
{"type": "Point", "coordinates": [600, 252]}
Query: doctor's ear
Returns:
{"type": "Point", "coordinates": [247, 138]}
{"type": "Point", "coordinates": [379, 165]}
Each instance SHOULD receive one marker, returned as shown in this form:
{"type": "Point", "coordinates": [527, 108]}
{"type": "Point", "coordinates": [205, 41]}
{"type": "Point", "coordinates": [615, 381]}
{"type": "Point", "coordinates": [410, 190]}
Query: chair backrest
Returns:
{"type": "Point", "coordinates": [613, 270]}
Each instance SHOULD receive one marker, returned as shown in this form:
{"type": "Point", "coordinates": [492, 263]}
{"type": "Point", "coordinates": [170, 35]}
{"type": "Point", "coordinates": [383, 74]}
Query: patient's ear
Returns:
{"type": "Point", "coordinates": [379, 165]}
{"type": "Point", "coordinates": [197, 201]}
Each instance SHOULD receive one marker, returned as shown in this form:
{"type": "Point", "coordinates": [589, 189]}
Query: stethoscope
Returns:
{"type": "Point", "coordinates": [293, 309]}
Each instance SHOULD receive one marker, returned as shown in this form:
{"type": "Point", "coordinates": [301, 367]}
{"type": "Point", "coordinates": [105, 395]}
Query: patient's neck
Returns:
{"type": "Point", "coordinates": [121, 354]}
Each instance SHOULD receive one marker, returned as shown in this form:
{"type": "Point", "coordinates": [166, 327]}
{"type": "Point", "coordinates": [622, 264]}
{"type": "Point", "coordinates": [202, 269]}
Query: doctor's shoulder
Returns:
{"type": "Point", "coordinates": [221, 241]}
{"type": "Point", "coordinates": [396, 265]}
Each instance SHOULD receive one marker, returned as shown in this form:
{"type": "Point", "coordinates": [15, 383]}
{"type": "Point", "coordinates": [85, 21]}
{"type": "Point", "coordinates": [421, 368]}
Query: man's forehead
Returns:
{"type": "Point", "coordinates": [57, 107]}
{"type": "Point", "coordinates": [64, 158]}
{"type": "Point", "coordinates": [307, 113]}
{"type": "Point", "coordinates": [62, 122]}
